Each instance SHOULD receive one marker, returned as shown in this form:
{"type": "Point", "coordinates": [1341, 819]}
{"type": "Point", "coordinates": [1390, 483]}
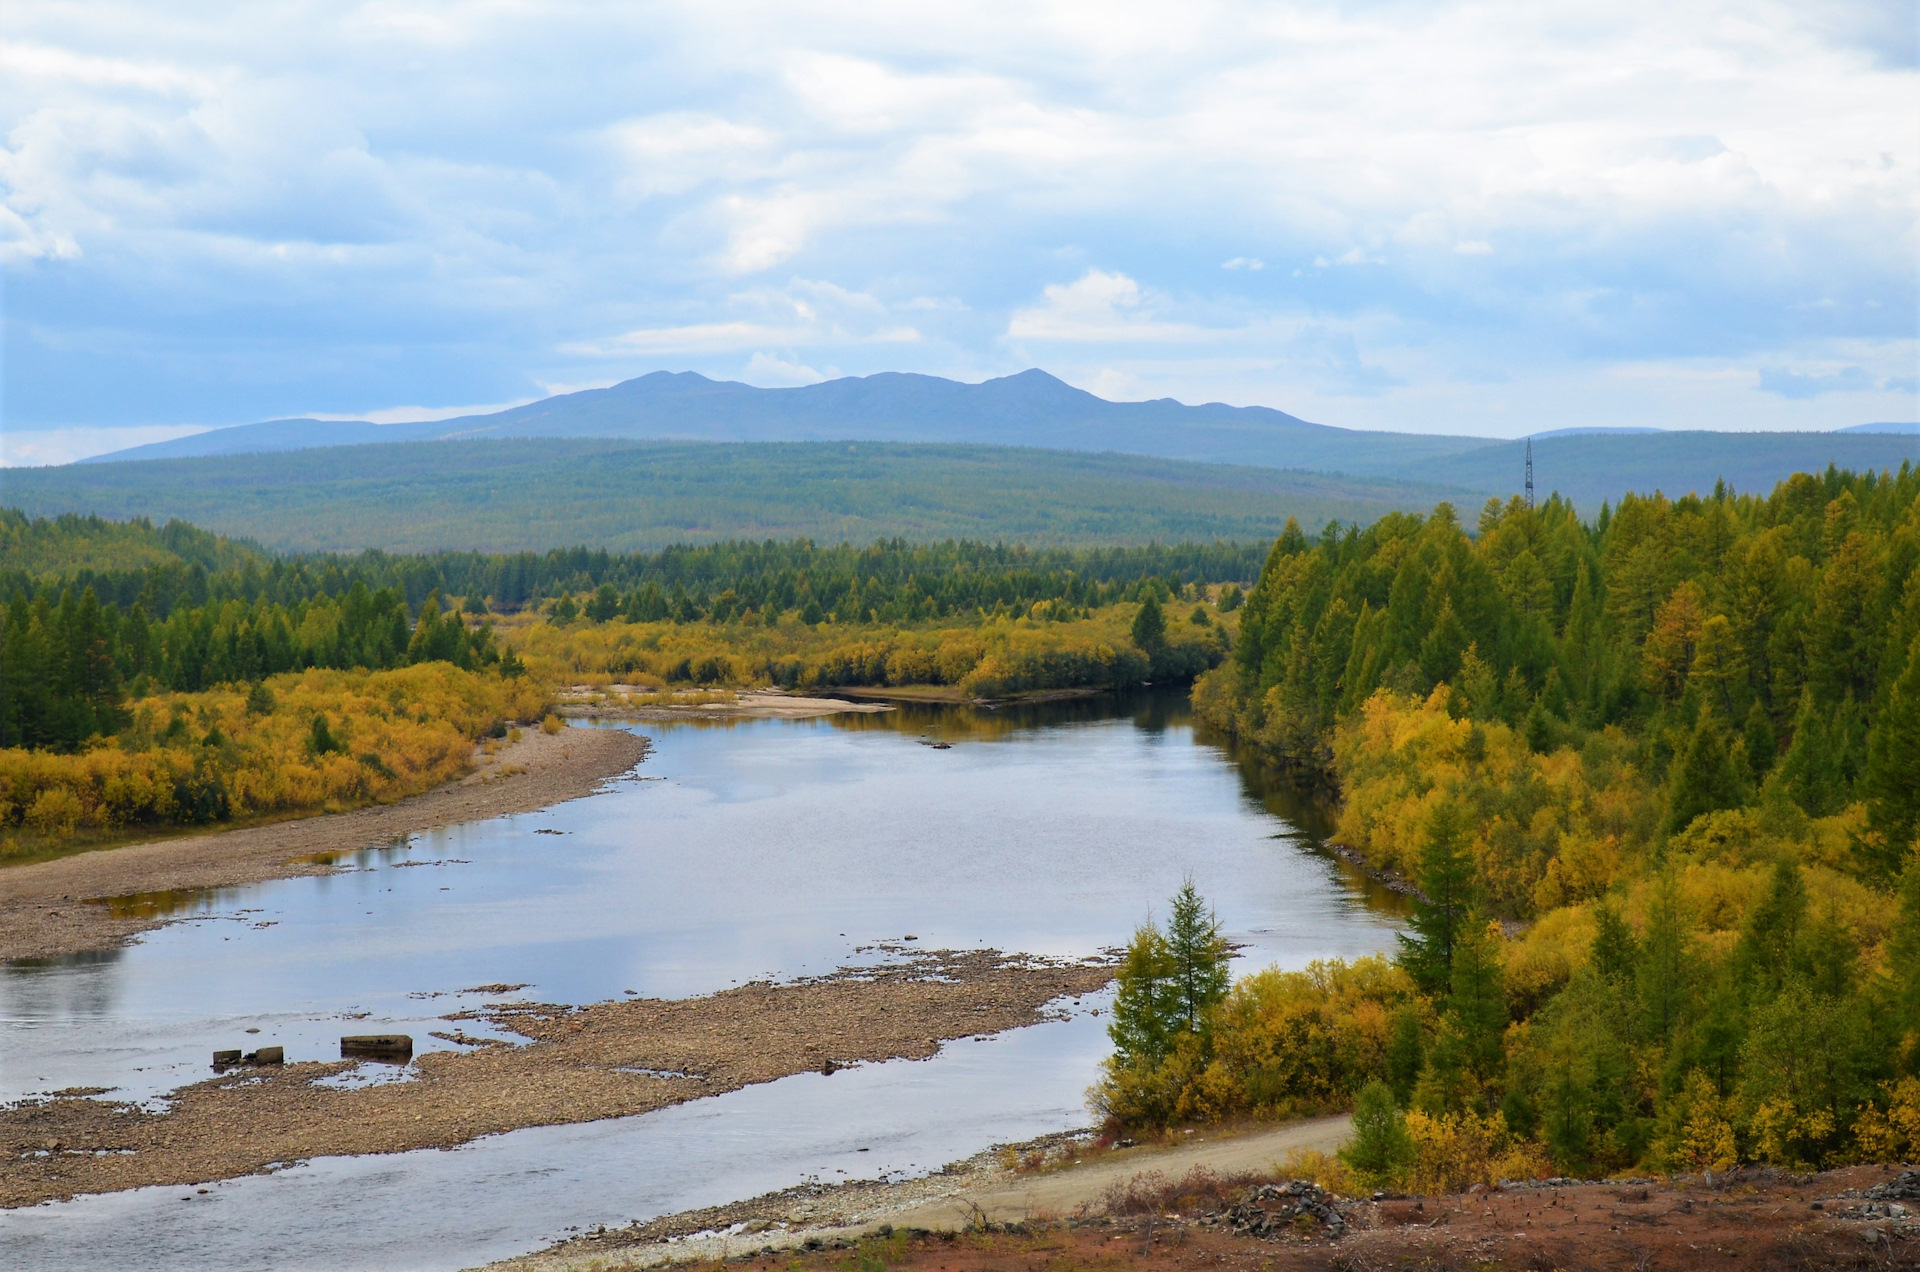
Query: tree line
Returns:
{"type": "Point", "coordinates": [69, 664]}
{"type": "Point", "coordinates": [179, 564]}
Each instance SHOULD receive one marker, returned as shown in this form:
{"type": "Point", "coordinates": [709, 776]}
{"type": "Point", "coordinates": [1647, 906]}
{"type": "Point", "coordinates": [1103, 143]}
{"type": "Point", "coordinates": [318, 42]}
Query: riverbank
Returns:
{"type": "Point", "coordinates": [998, 1186]}
{"type": "Point", "coordinates": [577, 1064]}
{"type": "Point", "coordinates": [58, 907]}
{"type": "Point", "coordinates": [637, 702]}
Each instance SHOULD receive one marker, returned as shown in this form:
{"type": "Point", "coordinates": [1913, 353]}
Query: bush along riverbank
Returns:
{"type": "Point", "coordinates": [1160, 636]}
{"type": "Point", "coordinates": [1655, 781]}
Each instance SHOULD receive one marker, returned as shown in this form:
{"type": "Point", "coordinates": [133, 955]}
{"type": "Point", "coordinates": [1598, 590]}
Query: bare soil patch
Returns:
{"type": "Point", "coordinates": [582, 1064]}
{"type": "Point", "coordinates": [44, 906]}
{"type": "Point", "coordinates": [1764, 1220]}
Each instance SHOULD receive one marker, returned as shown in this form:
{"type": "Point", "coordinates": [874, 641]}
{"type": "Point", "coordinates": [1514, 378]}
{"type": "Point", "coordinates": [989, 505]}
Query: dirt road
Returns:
{"type": "Point", "coordinates": [981, 1189]}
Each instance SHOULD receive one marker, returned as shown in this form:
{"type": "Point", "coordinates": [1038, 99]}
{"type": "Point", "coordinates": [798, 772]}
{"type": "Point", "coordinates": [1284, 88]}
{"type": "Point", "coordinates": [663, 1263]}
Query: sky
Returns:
{"type": "Point", "coordinates": [1480, 218]}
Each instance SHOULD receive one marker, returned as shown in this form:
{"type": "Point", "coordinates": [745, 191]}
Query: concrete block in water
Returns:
{"type": "Point", "coordinates": [227, 1057]}
{"type": "Point", "coordinates": [378, 1046]}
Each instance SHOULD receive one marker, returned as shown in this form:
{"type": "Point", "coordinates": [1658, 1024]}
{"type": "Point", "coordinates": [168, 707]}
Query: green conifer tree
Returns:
{"type": "Point", "coordinates": [1477, 1000]}
{"type": "Point", "coordinates": [1616, 951]}
{"type": "Point", "coordinates": [1199, 956]}
{"type": "Point", "coordinates": [1763, 955]}
{"type": "Point", "coordinates": [1406, 1053]}
{"type": "Point", "coordinates": [1145, 1001]}
{"type": "Point", "coordinates": [1892, 780]}
{"type": "Point", "coordinates": [1381, 1151]}
{"type": "Point", "coordinates": [1150, 627]}
{"type": "Point", "coordinates": [1441, 907]}
{"type": "Point", "coordinates": [1663, 977]}
{"type": "Point", "coordinates": [1900, 980]}
{"type": "Point", "coordinates": [1706, 777]}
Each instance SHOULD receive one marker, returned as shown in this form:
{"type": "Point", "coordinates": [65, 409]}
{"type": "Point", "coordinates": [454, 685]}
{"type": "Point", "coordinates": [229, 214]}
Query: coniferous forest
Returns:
{"type": "Point", "coordinates": [1653, 783]}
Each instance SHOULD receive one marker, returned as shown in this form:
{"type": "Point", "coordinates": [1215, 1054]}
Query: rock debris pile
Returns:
{"type": "Point", "coordinates": [1296, 1208]}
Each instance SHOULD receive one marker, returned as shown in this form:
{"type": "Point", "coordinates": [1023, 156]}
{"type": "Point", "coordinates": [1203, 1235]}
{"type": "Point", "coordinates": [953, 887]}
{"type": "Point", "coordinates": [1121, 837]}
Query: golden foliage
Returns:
{"type": "Point", "coordinates": [995, 657]}
{"type": "Point", "coordinates": [1453, 1152]}
{"type": "Point", "coordinates": [191, 758]}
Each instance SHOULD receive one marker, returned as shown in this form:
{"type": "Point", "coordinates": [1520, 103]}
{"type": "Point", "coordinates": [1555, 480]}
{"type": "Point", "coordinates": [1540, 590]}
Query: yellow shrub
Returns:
{"type": "Point", "coordinates": [1288, 1042]}
{"type": "Point", "coordinates": [1455, 1152]}
{"type": "Point", "coordinates": [1891, 1134]}
{"type": "Point", "coordinates": [202, 757]}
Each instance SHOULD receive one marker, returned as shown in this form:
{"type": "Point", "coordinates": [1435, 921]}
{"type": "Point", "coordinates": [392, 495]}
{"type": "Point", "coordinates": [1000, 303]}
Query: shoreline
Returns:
{"type": "Point", "coordinates": [1052, 1176]}
{"type": "Point", "coordinates": [61, 906]}
{"type": "Point", "coordinates": [576, 1064]}
{"type": "Point", "coordinates": [582, 703]}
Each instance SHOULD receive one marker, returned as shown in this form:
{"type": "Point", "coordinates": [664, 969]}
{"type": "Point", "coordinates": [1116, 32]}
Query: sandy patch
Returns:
{"type": "Point", "coordinates": [44, 908]}
{"type": "Point", "coordinates": [610, 1059]}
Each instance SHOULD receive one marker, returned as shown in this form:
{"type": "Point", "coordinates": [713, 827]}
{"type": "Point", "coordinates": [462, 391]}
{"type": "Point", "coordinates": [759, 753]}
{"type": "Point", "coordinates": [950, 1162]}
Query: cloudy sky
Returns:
{"type": "Point", "coordinates": [1464, 217]}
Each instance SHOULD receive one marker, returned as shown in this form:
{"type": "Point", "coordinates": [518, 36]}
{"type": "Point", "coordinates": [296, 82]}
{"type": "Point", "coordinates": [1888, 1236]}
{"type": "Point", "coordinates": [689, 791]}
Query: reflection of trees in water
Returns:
{"type": "Point", "coordinates": [1152, 709]}
{"type": "Point", "coordinates": [69, 985]}
{"type": "Point", "coordinates": [1311, 808]}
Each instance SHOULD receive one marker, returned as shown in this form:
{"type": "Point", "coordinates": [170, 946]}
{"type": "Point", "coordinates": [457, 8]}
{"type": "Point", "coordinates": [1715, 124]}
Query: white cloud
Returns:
{"type": "Point", "coordinates": [771, 372]}
{"type": "Point", "coordinates": [1098, 306]}
{"type": "Point", "coordinates": [417, 414]}
{"type": "Point", "coordinates": [804, 313]}
{"type": "Point", "coordinates": [475, 193]}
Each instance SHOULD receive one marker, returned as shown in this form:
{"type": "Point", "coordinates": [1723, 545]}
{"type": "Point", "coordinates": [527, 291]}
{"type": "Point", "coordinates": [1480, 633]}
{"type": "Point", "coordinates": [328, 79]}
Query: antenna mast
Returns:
{"type": "Point", "coordinates": [1529, 474]}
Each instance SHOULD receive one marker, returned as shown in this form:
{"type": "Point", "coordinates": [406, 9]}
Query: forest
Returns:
{"type": "Point", "coordinates": [1653, 782]}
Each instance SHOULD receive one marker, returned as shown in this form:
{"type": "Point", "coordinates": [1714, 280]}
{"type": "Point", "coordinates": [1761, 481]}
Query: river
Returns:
{"type": "Point", "coordinates": [739, 850]}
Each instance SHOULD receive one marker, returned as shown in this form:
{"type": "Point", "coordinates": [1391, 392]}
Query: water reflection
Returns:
{"type": "Point", "coordinates": [759, 849]}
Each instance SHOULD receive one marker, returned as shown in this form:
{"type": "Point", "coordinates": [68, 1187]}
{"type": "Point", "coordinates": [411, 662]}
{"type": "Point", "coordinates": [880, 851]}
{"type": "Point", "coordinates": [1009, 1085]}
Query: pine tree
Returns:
{"type": "Point", "coordinates": [1762, 746]}
{"type": "Point", "coordinates": [1198, 955]}
{"type": "Point", "coordinates": [1145, 1003]}
{"type": "Point", "coordinates": [1763, 955]}
{"type": "Point", "coordinates": [1443, 903]}
{"type": "Point", "coordinates": [1900, 983]}
{"type": "Point", "coordinates": [1616, 953]}
{"type": "Point", "coordinates": [1149, 626]}
{"type": "Point", "coordinates": [1381, 1151]}
{"type": "Point", "coordinates": [1406, 1053]}
{"type": "Point", "coordinates": [1477, 1000]}
{"type": "Point", "coordinates": [1663, 978]}
{"type": "Point", "coordinates": [1706, 779]}
{"type": "Point", "coordinates": [1891, 783]}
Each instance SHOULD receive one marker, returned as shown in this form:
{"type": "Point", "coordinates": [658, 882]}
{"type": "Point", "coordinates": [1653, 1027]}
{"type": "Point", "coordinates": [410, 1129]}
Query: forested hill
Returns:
{"type": "Point", "coordinates": [514, 495]}
{"type": "Point", "coordinates": [1035, 409]}
{"type": "Point", "coordinates": [1029, 409]}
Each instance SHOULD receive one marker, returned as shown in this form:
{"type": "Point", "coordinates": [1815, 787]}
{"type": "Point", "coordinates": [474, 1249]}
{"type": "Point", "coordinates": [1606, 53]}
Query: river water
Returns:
{"type": "Point", "coordinates": [739, 850]}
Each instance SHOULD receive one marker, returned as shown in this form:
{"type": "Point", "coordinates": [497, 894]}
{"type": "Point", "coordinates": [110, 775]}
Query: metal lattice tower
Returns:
{"type": "Point", "coordinates": [1529, 474]}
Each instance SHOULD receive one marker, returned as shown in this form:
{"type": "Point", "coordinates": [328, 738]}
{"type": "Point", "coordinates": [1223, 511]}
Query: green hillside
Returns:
{"type": "Point", "coordinates": [1590, 468]}
{"type": "Point", "coordinates": [512, 495]}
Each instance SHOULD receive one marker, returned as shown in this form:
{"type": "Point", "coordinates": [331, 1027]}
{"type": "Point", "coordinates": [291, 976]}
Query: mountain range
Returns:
{"type": "Point", "coordinates": [678, 457]}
